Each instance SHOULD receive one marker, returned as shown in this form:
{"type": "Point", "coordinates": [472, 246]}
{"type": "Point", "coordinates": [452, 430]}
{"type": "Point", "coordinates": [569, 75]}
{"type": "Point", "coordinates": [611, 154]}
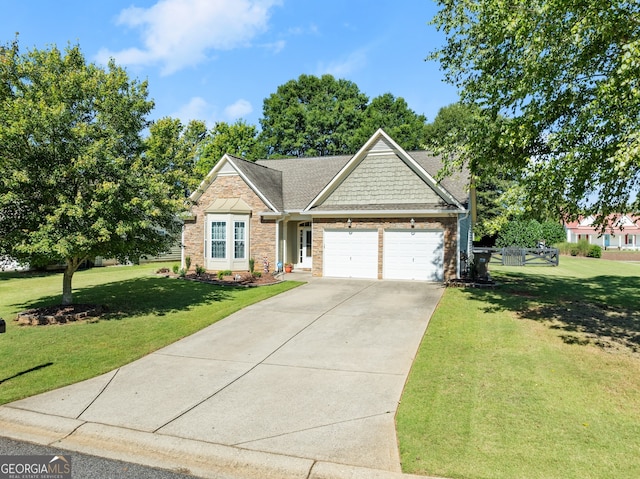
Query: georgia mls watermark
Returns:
{"type": "Point", "coordinates": [35, 467]}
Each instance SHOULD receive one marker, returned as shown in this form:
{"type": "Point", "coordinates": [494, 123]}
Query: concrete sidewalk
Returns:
{"type": "Point", "coordinates": [305, 384]}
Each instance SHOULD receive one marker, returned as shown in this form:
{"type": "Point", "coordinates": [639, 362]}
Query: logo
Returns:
{"type": "Point", "coordinates": [35, 467]}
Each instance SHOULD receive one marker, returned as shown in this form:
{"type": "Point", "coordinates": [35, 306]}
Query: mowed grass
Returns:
{"type": "Point", "coordinates": [146, 312]}
{"type": "Point", "coordinates": [538, 378]}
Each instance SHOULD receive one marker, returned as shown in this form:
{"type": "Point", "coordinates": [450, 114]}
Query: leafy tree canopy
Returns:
{"type": "Point", "coordinates": [75, 183]}
{"type": "Point", "coordinates": [174, 148]}
{"type": "Point", "coordinates": [565, 74]}
{"type": "Point", "coordinates": [393, 115]}
{"type": "Point", "coordinates": [237, 139]}
{"type": "Point", "coordinates": [312, 116]}
{"type": "Point", "coordinates": [458, 130]}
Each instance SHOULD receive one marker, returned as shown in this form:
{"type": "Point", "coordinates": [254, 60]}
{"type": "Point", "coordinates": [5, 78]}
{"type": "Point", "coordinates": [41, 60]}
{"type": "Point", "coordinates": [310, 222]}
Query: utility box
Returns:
{"type": "Point", "coordinates": [481, 264]}
{"type": "Point", "coordinates": [3, 326]}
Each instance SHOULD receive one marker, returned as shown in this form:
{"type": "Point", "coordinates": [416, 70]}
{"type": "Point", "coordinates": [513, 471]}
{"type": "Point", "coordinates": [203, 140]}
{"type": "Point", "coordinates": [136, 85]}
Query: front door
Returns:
{"type": "Point", "coordinates": [304, 246]}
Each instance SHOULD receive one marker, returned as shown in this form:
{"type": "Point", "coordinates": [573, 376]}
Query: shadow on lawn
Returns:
{"type": "Point", "coordinates": [603, 310]}
{"type": "Point", "coordinates": [142, 296]}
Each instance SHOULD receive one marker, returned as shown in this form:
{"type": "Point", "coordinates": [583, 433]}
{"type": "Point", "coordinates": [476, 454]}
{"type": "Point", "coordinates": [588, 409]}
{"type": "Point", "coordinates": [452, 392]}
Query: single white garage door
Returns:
{"type": "Point", "coordinates": [413, 254]}
{"type": "Point", "coordinates": [351, 254]}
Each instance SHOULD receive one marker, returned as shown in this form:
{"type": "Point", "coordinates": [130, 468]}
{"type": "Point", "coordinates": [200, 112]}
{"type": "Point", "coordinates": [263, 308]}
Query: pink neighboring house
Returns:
{"type": "Point", "coordinates": [622, 232]}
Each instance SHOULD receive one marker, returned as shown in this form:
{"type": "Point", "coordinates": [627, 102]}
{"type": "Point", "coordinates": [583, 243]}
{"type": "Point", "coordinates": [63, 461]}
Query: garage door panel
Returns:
{"type": "Point", "coordinates": [351, 254]}
{"type": "Point", "coordinates": [413, 254]}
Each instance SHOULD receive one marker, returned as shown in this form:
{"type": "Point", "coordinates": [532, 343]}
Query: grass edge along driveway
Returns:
{"type": "Point", "coordinates": [535, 379]}
{"type": "Point", "coordinates": [146, 313]}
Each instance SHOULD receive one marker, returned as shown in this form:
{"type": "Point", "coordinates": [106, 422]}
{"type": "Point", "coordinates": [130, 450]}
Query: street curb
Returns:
{"type": "Point", "coordinates": [202, 459]}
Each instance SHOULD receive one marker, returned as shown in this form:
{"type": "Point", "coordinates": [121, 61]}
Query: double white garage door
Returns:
{"type": "Point", "coordinates": [406, 254]}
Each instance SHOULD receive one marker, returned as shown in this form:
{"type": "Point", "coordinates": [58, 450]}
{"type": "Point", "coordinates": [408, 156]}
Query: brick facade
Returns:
{"type": "Point", "coordinates": [262, 236]}
{"type": "Point", "coordinates": [448, 225]}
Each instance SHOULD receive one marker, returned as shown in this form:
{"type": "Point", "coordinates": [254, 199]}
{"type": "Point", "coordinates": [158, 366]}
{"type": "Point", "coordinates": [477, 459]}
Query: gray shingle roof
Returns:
{"type": "Point", "coordinates": [304, 178]}
{"type": "Point", "coordinates": [267, 180]}
{"type": "Point", "coordinates": [456, 184]}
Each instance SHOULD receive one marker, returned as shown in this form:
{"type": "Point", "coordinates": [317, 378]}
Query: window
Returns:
{"type": "Point", "coordinates": [239, 240]}
{"type": "Point", "coordinates": [218, 239]}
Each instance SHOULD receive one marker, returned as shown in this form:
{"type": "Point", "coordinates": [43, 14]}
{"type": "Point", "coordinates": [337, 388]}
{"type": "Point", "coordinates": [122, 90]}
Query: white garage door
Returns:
{"type": "Point", "coordinates": [413, 254]}
{"type": "Point", "coordinates": [351, 254]}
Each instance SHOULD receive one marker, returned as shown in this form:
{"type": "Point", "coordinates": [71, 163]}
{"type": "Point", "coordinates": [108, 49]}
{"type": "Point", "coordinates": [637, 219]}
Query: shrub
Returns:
{"type": "Point", "coordinates": [252, 264]}
{"type": "Point", "coordinates": [223, 273]}
{"type": "Point", "coordinates": [200, 270]}
{"type": "Point", "coordinates": [176, 268]}
{"type": "Point", "coordinates": [552, 232]}
{"type": "Point", "coordinates": [182, 272]}
{"type": "Point", "coordinates": [187, 262]}
{"type": "Point", "coordinates": [257, 274]}
{"type": "Point", "coordinates": [581, 248]}
{"type": "Point", "coordinates": [595, 251]}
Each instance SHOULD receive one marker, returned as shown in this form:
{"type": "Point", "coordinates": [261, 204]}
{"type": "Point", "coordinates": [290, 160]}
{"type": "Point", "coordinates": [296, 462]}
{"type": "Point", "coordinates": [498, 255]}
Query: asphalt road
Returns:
{"type": "Point", "coordinates": [84, 466]}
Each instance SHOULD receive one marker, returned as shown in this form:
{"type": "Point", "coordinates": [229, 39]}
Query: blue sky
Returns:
{"type": "Point", "coordinates": [217, 60]}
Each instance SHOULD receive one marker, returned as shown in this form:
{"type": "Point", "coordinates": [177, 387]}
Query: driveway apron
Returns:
{"type": "Point", "coordinates": [315, 373]}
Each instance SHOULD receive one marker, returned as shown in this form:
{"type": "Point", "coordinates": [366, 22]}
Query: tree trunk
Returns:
{"type": "Point", "coordinates": [67, 291]}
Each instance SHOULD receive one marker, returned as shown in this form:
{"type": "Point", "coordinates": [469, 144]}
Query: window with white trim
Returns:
{"type": "Point", "coordinates": [239, 240]}
{"type": "Point", "coordinates": [218, 239]}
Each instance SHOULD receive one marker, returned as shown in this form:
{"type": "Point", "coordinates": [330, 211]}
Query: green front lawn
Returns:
{"type": "Point", "coordinates": [146, 312]}
{"type": "Point", "coordinates": [538, 378]}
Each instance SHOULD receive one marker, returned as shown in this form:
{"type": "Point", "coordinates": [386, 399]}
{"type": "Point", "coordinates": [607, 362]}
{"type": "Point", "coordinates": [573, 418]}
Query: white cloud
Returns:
{"type": "Point", "coordinates": [196, 109]}
{"type": "Point", "coordinates": [344, 67]}
{"type": "Point", "coordinates": [180, 33]}
{"type": "Point", "coordinates": [237, 110]}
{"type": "Point", "coordinates": [275, 47]}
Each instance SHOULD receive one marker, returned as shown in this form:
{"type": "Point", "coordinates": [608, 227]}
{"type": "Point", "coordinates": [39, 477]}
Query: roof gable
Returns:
{"type": "Point", "coordinates": [382, 175]}
{"type": "Point", "coordinates": [265, 182]}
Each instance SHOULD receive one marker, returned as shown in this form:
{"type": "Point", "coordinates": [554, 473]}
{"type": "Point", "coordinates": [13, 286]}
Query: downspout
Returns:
{"type": "Point", "coordinates": [182, 247]}
{"type": "Point", "coordinates": [474, 215]}
{"type": "Point", "coordinates": [278, 221]}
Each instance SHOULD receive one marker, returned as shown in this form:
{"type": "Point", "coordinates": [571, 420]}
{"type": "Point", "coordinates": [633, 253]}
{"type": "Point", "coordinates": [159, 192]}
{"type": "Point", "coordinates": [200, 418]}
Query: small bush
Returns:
{"type": "Point", "coordinates": [176, 268]}
{"type": "Point", "coordinates": [252, 264]}
{"type": "Point", "coordinates": [581, 248]}
{"type": "Point", "coordinates": [257, 274]}
{"type": "Point", "coordinates": [200, 270]}
{"type": "Point", "coordinates": [224, 272]}
{"type": "Point", "coordinates": [182, 272]}
{"type": "Point", "coordinates": [595, 251]}
{"type": "Point", "coordinates": [187, 262]}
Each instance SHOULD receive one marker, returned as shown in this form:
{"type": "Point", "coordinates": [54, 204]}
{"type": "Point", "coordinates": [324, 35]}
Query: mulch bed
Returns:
{"type": "Point", "coordinates": [245, 278]}
{"type": "Point", "coordinates": [470, 283]}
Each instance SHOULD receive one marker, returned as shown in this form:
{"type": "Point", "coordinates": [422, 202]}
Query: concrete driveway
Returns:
{"type": "Point", "coordinates": [305, 383]}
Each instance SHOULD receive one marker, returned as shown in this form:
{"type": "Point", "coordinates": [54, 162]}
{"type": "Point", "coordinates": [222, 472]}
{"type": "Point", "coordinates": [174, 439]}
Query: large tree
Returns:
{"type": "Point", "coordinates": [393, 115]}
{"type": "Point", "coordinates": [312, 116]}
{"type": "Point", "coordinates": [565, 73]}
{"type": "Point", "coordinates": [460, 131]}
{"type": "Point", "coordinates": [238, 139]}
{"type": "Point", "coordinates": [75, 183]}
{"type": "Point", "coordinates": [175, 149]}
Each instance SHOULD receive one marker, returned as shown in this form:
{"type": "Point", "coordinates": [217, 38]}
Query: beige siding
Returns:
{"type": "Point", "coordinates": [382, 179]}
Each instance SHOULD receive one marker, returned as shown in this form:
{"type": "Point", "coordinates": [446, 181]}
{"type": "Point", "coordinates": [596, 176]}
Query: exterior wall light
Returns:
{"type": "Point", "coordinates": [413, 223]}
{"type": "Point", "coordinates": [349, 223]}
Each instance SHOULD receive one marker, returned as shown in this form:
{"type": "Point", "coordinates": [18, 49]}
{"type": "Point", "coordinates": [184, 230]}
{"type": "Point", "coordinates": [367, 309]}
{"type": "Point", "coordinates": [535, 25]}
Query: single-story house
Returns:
{"type": "Point", "coordinates": [622, 232]}
{"type": "Point", "coordinates": [377, 214]}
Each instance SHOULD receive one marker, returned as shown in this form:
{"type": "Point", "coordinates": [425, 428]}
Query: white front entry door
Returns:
{"type": "Point", "coordinates": [304, 247]}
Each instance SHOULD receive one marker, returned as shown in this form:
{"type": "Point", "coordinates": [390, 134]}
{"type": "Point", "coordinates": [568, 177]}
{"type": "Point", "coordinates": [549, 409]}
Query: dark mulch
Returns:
{"type": "Point", "coordinates": [236, 279]}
